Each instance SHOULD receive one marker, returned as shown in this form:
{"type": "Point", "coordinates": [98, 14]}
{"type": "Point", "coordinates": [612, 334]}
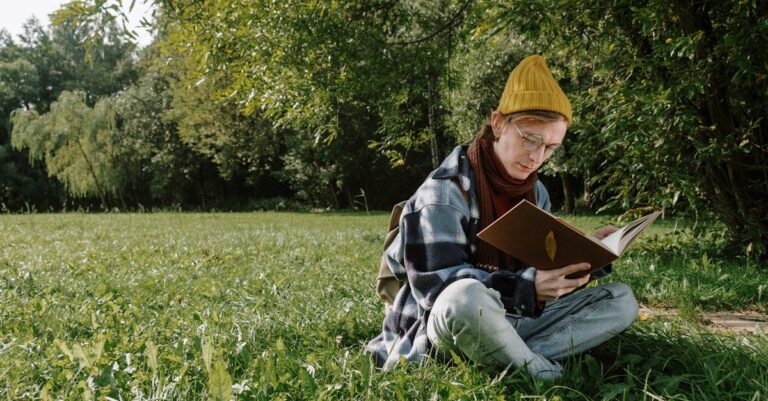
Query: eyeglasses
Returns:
{"type": "Point", "coordinates": [532, 143]}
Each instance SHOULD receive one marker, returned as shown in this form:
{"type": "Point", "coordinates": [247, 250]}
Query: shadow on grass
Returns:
{"type": "Point", "coordinates": [652, 361]}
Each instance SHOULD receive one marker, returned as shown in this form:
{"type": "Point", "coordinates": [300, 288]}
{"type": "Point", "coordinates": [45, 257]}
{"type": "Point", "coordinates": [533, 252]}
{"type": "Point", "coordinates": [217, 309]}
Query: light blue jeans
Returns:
{"type": "Point", "coordinates": [469, 319]}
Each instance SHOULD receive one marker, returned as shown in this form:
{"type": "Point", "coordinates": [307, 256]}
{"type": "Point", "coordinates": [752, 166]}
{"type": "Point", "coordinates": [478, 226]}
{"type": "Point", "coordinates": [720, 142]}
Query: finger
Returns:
{"type": "Point", "coordinates": [605, 231]}
{"type": "Point", "coordinates": [571, 285]}
{"type": "Point", "coordinates": [575, 282]}
{"type": "Point", "coordinates": [576, 268]}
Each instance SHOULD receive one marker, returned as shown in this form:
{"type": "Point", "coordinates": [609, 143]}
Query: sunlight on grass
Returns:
{"type": "Point", "coordinates": [269, 306]}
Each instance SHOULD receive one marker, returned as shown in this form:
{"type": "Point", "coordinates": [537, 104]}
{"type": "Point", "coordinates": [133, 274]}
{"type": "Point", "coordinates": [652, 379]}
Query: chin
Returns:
{"type": "Point", "coordinates": [520, 175]}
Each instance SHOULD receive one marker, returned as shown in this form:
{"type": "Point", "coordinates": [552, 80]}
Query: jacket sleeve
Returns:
{"type": "Point", "coordinates": [435, 250]}
{"type": "Point", "coordinates": [517, 290]}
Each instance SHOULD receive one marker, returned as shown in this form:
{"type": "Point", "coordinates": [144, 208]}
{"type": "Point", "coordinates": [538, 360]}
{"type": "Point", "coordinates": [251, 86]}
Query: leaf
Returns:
{"type": "Point", "coordinates": [85, 390]}
{"type": "Point", "coordinates": [44, 392]}
{"type": "Point", "coordinates": [97, 350]}
{"type": "Point", "coordinates": [150, 351]}
{"type": "Point", "coordinates": [80, 357]}
{"type": "Point", "coordinates": [64, 349]}
{"type": "Point", "coordinates": [207, 348]}
{"type": "Point", "coordinates": [612, 391]}
{"type": "Point", "coordinates": [219, 382]}
{"type": "Point", "coordinates": [705, 261]}
{"type": "Point", "coordinates": [550, 245]}
{"type": "Point", "coordinates": [88, 356]}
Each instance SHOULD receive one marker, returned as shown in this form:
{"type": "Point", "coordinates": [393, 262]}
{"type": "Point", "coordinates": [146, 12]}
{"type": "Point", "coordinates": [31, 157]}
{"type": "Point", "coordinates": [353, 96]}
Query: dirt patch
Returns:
{"type": "Point", "coordinates": [740, 322]}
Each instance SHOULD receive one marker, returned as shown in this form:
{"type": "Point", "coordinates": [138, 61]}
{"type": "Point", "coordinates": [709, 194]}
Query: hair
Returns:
{"type": "Point", "coordinates": [540, 115]}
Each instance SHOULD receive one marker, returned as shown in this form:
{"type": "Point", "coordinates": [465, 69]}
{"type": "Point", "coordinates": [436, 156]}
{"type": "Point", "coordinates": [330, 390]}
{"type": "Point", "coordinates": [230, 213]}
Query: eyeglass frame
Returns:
{"type": "Point", "coordinates": [548, 151]}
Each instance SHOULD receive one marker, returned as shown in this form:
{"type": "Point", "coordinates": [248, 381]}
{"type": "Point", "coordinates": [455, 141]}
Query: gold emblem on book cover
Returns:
{"type": "Point", "coordinates": [550, 244]}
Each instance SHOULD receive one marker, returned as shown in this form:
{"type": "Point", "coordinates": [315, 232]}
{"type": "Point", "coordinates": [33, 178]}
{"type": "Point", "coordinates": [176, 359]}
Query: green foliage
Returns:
{"type": "Point", "coordinates": [669, 97]}
{"type": "Point", "coordinates": [34, 71]}
{"type": "Point", "coordinates": [246, 146]}
{"type": "Point", "coordinates": [75, 142]}
{"type": "Point", "coordinates": [322, 75]}
{"type": "Point", "coordinates": [670, 101]}
{"type": "Point", "coordinates": [269, 306]}
{"type": "Point", "coordinates": [19, 82]}
{"type": "Point", "coordinates": [156, 165]}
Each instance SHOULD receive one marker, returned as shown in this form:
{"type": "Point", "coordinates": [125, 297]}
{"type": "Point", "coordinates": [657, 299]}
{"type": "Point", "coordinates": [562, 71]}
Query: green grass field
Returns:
{"type": "Point", "coordinates": [278, 306]}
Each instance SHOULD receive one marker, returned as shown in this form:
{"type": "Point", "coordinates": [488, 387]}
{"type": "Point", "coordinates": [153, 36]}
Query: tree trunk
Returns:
{"type": "Point", "coordinates": [350, 197]}
{"type": "Point", "coordinates": [334, 196]}
{"type": "Point", "coordinates": [122, 201]}
{"type": "Point", "coordinates": [568, 196]}
{"type": "Point", "coordinates": [432, 129]}
{"type": "Point", "coordinates": [92, 171]}
{"type": "Point", "coordinates": [587, 198]}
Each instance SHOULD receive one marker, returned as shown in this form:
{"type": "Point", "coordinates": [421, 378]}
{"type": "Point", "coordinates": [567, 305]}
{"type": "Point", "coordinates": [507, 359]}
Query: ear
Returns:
{"type": "Point", "coordinates": [497, 124]}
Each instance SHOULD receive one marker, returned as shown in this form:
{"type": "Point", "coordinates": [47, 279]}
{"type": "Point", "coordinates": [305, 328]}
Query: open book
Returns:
{"type": "Point", "coordinates": [546, 242]}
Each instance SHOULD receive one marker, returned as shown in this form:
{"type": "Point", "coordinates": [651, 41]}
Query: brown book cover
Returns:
{"type": "Point", "coordinates": [546, 242]}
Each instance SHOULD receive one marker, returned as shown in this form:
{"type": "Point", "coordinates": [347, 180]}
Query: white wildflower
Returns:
{"type": "Point", "coordinates": [128, 368]}
{"type": "Point", "coordinates": [239, 388]}
{"type": "Point", "coordinates": [310, 369]}
{"type": "Point", "coordinates": [240, 347]}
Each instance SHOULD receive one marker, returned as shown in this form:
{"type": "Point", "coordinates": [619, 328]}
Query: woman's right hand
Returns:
{"type": "Point", "coordinates": [552, 284]}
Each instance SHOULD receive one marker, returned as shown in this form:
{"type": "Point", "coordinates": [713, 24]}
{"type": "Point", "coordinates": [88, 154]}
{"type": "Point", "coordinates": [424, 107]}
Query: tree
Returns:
{"type": "Point", "coordinates": [34, 71]}
{"type": "Point", "coordinates": [672, 101]}
{"type": "Point", "coordinates": [75, 142]}
{"type": "Point", "coordinates": [302, 67]}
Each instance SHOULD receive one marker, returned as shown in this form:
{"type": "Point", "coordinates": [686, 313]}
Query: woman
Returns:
{"type": "Point", "coordinates": [463, 295]}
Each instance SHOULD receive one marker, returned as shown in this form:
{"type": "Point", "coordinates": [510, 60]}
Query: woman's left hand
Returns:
{"type": "Point", "coordinates": [604, 232]}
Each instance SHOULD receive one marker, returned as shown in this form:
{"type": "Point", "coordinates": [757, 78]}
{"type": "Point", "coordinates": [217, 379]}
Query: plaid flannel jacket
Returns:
{"type": "Point", "coordinates": [435, 247]}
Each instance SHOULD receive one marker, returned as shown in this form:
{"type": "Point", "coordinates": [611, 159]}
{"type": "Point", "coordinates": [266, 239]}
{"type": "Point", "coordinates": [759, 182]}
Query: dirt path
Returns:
{"type": "Point", "coordinates": [750, 322]}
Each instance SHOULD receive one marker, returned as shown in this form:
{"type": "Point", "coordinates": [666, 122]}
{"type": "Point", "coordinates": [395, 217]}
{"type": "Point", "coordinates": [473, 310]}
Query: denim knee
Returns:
{"type": "Point", "coordinates": [624, 305]}
{"type": "Point", "coordinates": [466, 300]}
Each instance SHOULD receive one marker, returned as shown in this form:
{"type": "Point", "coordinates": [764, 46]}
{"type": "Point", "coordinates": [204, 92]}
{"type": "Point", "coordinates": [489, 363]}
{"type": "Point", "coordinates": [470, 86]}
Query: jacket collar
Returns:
{"type": "Point", "coordinates": [456, 165]}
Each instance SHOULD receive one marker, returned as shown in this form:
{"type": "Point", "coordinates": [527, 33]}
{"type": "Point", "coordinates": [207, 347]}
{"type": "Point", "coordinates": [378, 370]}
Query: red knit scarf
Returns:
{"type": "Point", "coordinates": [494, 187]}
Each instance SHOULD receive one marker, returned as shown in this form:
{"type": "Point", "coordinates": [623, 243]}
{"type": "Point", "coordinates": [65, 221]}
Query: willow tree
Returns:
{"type": "Point", "coordinates": [74, 140]}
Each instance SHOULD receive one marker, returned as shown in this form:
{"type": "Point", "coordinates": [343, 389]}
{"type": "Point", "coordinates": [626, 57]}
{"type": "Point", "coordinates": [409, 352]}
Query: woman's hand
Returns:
{"type": "Point", "coordinates": [552, 284]}
{"type": "Point", "coordinates": [604, 232]}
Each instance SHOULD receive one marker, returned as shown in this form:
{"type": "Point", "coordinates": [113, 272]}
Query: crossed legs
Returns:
{"type": "Point", "coordinates": [470, 319]}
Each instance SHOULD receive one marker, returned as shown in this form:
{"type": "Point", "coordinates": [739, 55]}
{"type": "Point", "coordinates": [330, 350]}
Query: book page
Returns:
{"type": "Point", "coordinates": [612, 241]}
{"type": "Point", "coordinates": [622, 238]}
{"type": "Point", "coordinates": [638, 226]}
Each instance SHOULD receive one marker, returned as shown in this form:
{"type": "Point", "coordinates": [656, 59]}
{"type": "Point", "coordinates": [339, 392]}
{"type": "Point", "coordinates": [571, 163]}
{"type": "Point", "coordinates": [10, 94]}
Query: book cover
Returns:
{"type": "Point", "coordinates": [546, 242]}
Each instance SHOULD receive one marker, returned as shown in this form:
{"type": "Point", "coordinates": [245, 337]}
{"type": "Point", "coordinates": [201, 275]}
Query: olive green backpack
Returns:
{"type": "Point", "coordinates": [387, 285]}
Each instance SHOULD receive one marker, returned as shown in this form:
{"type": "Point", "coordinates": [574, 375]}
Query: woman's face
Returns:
{"type": "Point", "coordinates": [517, 161]}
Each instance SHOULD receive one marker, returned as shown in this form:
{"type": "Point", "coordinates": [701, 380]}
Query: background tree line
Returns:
{"type": "Point", "coordinates": [323, 102]}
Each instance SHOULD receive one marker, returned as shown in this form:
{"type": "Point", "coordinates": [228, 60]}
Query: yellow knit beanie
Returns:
{"type": "Point", "coordinates": [532, 87]}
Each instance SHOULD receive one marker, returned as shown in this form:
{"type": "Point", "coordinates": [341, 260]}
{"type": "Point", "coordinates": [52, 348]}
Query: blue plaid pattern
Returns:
{"type": "Point", "coordinates": [435, 247]}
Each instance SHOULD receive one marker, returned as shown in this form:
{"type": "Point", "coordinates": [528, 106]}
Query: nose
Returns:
{"type": "Point", "coordinates": [537, 155]}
